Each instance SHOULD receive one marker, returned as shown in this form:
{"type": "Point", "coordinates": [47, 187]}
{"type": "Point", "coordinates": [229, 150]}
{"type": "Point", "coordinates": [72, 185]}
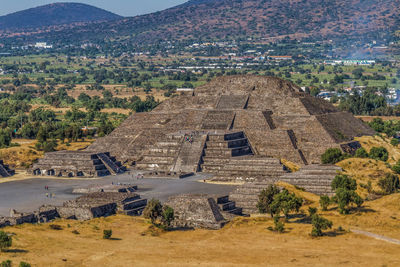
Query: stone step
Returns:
{"type": "Point", "coordinates": [226, 137]}
{"type": "Point", "coordinates": [236, 211]}
{"type": "Point", "coordinates": [135, 212]}
{"type": "Point", "coordinates": [247, 161]}
{"type": "Point", "coordinates": [158, 159]}
{"type": "Point", "coordinates": [228, 144]}
{"type": "Point", "coordinates": [135, 204]}
{"type": "Point", "coordinates": [222, 199]}
{"type": "Point", "coordinates": [168, 144]}
{"type": "Point", "coordinates": [227, 206]}
{"type": "Point", "coordinates": [243, 167]}
{"type": "Point", "coordinates": [153, 166]}
{"type": "Point", "coordinates": [250, 173]}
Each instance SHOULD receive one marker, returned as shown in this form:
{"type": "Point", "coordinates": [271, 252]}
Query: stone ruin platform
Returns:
{"type": "Point", "coordinates": [315, 179]}
{"type": "Point", "coordinates": [5, 170]}
{"type": "Point", "coordinates": [89, 206]}
{"type": "Point", "coordinates": [202, 210]}
{"type": "Point", "coordinates": [77, 164]}
{"type": "Point", "coordinates": [101, 204]}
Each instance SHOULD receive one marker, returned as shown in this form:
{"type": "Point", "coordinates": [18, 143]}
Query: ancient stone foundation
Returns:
{"type": "Point", "coordinates": [202, 211]}
{"type": "Point", "coordinates": [316, 179]}
{"type": "Point", "coordinates": [77, 164]}
{"type": "Point", "coordinates": [92, 205]}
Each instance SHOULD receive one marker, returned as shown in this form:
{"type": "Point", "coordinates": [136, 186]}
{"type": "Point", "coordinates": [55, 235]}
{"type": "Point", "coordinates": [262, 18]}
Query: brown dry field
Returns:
{"type": "Point", "coordinates": [370, 118]}
{"type": "Point", "coordinates": [243, 242]}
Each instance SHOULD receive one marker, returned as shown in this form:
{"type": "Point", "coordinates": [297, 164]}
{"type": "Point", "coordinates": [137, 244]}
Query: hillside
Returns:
{"type": "Point", "coordinates": [54, 14]}
{"type": "Point", "coordinates": [222, 19]}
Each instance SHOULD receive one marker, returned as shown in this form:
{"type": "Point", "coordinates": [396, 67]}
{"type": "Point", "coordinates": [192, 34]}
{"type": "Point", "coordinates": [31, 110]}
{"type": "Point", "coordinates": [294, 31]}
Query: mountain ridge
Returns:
{"type": "Point", "coordinates": [230, 19]}
{"type": "Point", "coordinates": [55, 14]}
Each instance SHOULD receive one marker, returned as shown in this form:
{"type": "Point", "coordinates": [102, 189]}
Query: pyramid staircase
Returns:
{"type": "Point", "coordinates": [162, 156]}
{"type": "Point", "coordinates": [228, 207]}
{"type": "Point", "coordinates": [229, 156]}
{"type": "Point", "coordinates": [113, 166]}
{"type": "Point", "coordinates": [133, 206]}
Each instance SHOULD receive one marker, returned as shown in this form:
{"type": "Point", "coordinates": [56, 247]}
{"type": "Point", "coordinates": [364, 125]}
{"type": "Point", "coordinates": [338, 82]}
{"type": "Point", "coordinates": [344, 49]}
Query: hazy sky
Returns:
{"type": "Point", "coordinates": [121, 7]}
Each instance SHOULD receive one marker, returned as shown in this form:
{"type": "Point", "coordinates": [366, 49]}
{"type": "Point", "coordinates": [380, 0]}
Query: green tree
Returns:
{"type": "Point", "coordinates": [319, 223]}
{"type": "Point", "coordinates": [332, 156]}
{"type": "Point", "coordinates": [107, 234]}
{"type": "Point", "coordinates": [6, 263]}
{"type": "Point", "coordinates": [344, 181]}
{"type": "Point", "coordinates": [24, 264]}
{"type": "Point", "coordinates": [266, 198]}
{"type": "Point", "coordinates": [345, 193]}
{"type": "Point", "coordinates": [285, 202]}
{"type": "Point", "coordinates": [153, 210]}
{"type": "Point", "coordinates": [5, 241]}
{"type": "Point", "coordinates": [361, 153]}
{"type": "Point", "coordinates": [390, 183]}
{"type": "Point", "coordinates": [394, 142]}
{"type": "Point", "coordinates": [324, 202]}
{"type": "Point", "coordinates": [167, 216]}
{"type": "Point", "coordinates": [379, 153]}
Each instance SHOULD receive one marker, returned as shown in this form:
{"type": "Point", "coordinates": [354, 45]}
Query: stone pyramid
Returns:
{"type": "Point", "coordinates": [233, 123]}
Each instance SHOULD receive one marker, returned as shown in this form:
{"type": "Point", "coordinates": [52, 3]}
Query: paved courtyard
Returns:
{"type": "Point", "coordinates": [28, 195]}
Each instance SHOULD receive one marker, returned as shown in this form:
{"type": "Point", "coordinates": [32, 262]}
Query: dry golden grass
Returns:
{"type": "Point", "coordinates": [292, 166]}
{"type": "Point", "coordinates": [244, 241]}
{"type": "Point", "coordinates": [25, 154]}
{"type": "Point", "coordinates": [368, 142]}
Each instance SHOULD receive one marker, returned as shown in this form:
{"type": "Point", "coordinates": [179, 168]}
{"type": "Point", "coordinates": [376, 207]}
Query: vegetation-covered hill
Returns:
{"type": "Point", "coordinates": [54, 14]}
{"type": "Point", "coordinates": [222, 19]}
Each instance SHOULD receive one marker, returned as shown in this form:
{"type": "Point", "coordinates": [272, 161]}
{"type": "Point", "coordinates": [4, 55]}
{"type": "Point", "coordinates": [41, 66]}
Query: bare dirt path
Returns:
{"type": "Point", "coordinates": [376, 236]}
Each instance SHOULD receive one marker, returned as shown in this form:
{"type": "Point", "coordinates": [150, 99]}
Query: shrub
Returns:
{"type": "Point", "coordinates": [167, 216]}
{"type": "Point", "coordinates": [107, 234]}
{"type": "Point", "coordinates": [396, 167]}
{"type": "Point", "coordinates": [5, 241]}
{"type": "Point", "coordinates": [332, 156]}
{"type": "Point", "coordinates": [76, 232]}
{"type": "Point", "coordinates": [345, 197]}
{"type": "Point", "coordinates": [285, 202]}
{"type": "Point", "coordinates": [361, 153]}
{"type": "Point", "coordinates": [6, 263]}
{"type": "Point", "coordinates": [389, 184]}
{"type": "Point", "coordinates": [312, 211]}
{"type": "Point", "coordinates": [153, 210]}
{"type": "Point", "coordinates": [55, 227]}
{"type": "Point", "coordinates": [324, 202]}
{"type": "Point", "coordinates": [319, 223]}
{"type": "Point", "coordinates": [344, 181]}
{"type": "Point", "coordinates": [379, 153]}
{"type": "Point", "coordinates": [24, 264]}
{"type": "Point", "coordinates": [345, 193]}
{"type": "Point", "coordinates": [394, 142]}
{"type": "Point", "coordinates": [279, 225]}
{"type": "Point", "coordinates": [265, 199]}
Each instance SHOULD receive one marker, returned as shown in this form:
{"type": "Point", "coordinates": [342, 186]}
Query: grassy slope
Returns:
{"type": "Point", "coordinates": [25, 154]}
{"type": "Point", "coordinates": [243, 241]}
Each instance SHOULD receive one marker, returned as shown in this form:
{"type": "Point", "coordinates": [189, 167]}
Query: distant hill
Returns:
{"type": "Point", "coordinates": [55, 14]}
{"type": "Point", "coordinates": [222, 19]}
